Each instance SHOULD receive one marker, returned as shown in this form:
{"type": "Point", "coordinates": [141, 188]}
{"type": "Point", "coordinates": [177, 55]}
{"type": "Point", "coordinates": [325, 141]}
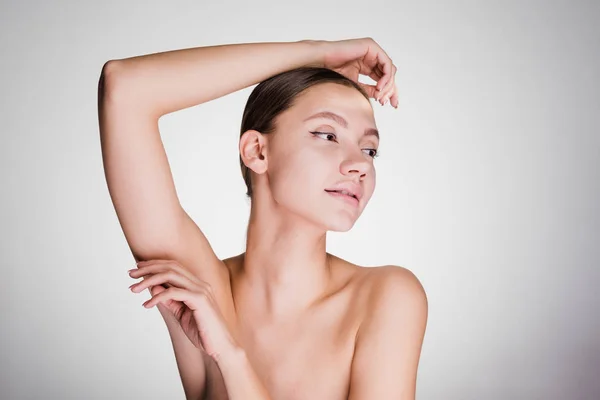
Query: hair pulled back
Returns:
{"type": "Point", "coordinates": [276, 94]}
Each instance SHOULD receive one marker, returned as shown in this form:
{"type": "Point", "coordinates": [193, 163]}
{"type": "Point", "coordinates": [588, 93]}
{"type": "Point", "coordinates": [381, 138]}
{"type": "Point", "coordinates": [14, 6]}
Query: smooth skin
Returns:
{"type": "Point", "coordinates": [290, 321]}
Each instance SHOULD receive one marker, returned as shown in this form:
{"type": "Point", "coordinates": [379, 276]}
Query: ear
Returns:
{"type": "Point", "coordinates": [253, 151]}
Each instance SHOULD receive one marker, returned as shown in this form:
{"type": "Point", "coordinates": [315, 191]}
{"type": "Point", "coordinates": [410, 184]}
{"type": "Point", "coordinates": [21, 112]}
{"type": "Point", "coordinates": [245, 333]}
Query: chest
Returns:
{"type": "Point", "coordinates": [306, 360]}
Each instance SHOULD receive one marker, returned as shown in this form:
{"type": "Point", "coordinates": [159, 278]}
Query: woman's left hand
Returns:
{"type": "Point", "coordinates": [364, 56]}
{"type": "Point", "coordinates": [190, 300]}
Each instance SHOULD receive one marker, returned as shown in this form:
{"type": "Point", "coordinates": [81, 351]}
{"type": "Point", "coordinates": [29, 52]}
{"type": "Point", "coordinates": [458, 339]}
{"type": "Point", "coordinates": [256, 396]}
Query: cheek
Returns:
{"type": "Point", "coordinates": [296, 176]}
{"type": "Point", "coordinates": [373, 177]}
{"type": "Point", "coordinates": [371, 183]}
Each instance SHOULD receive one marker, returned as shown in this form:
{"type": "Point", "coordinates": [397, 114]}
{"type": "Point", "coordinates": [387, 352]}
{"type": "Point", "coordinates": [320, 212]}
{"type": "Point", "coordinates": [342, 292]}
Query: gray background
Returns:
{"type": "Point", "coordinates": [488, 188]}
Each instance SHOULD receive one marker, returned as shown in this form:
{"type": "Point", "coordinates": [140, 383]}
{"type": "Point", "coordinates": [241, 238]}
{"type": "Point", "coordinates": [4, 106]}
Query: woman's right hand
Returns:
{"type": "Point", "coordinates": [363, 56]}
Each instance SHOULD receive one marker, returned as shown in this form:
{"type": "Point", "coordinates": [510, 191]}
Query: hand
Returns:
{"type": "Point", "coordinates": [363, 56]}
{"type": "Point", "coordinates": [189, 299]}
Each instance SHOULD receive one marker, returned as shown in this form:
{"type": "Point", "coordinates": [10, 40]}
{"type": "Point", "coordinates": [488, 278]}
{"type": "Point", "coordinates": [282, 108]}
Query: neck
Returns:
{"type": "Point", "coordinates": [285, 269]}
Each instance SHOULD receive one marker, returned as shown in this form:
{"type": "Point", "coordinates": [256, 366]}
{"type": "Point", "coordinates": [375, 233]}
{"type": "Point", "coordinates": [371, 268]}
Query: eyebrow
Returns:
{"type": "Point", "coordinates": [341, 121]}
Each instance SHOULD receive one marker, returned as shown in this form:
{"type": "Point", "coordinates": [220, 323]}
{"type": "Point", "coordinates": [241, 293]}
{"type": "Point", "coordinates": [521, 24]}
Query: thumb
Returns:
{"type": "Point", "coordinates": [154, 290]}
{"type": "Point", "coordinates": [369, 89]}
{"type": "Point", "coordinates": [171, 307]}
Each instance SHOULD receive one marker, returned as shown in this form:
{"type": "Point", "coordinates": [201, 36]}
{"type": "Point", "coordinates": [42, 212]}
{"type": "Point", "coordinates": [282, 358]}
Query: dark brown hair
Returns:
{"type": "Point", "coordinates": [276, 94]}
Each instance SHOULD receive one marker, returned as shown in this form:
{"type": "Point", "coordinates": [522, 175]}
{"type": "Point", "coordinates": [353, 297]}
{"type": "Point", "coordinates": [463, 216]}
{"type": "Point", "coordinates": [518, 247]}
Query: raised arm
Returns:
{"type": "Point", "coordinates": [133, 94]}
{"type": "Point", "coordinates": [161, 83]}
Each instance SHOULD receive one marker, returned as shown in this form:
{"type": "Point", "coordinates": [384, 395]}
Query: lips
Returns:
{"type": "Point", "coordinates": [352, 188]}
{"type": "Point", "coordinates": [350, 199]}
{"type": "Point", "coordinates": [343, 192]}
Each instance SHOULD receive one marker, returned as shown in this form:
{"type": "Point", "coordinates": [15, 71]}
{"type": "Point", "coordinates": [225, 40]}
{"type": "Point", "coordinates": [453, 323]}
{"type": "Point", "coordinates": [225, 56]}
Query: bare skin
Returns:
{"type": "Point", "coordinates": [311, 324]}
{"type": "Point", "coordinates": [307, 355]}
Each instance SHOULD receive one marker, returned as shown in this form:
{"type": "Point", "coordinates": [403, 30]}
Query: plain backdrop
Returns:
{"type": "Point", "coordinates": [488, 188]}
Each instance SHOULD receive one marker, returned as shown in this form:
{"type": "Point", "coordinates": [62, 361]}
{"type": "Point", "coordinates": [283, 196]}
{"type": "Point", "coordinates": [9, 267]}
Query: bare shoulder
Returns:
{"type": "Point", "coordinates": [393, 291]}
{"type": "Point", "coordinates": [390, 335]}
{"type": "Point", "coordinates": [382, 281]}
{"type": "Point", "coordinates": [382, 288]}
{"type": "Point", "coordinates": [392, 278]}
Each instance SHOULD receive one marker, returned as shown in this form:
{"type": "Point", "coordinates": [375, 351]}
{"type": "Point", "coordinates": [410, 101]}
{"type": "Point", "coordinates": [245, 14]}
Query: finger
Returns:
{"type": "Point", "coordinates": [154, 290]}
{"type": "Point", "coordinates": [371, 90]}
{"type": "Point", "coordinates": [379, 73]}
{"type": "Point", "coordinates": [155, 266]}
{"type": "Point", "coordinates": [394, 100]}
{"type": "Point", "coordinates": [388, 93]}
{"type": "Point", "coordinates": [146, 263]}
{"type": "Point", "coordinates": [165, 295]}
{"type": "Point", "coordinates": [385, 65]}
{"type": "Point", "coordinates": [145, 267]}
{"type": "Point", "coordinates": [192, 300]}
{"type": "Point", "coordinates": [390, 85]}
{"type": "Point", "coordinates": [372, 68]}
{"type": "Point", "coordinates": [376, 76]}
{"type": "Point", "coordinates": [369, 62]}
{"type": "Point", "coordinates": [172, 278]}
{"type": "Point", "coordinates": [372, 71]}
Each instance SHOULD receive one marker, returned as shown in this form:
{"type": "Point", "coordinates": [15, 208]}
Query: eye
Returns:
{"type": "Point", "coordinates": [373, 153]}
{"type": "Point", "coordinates": [328, 135]}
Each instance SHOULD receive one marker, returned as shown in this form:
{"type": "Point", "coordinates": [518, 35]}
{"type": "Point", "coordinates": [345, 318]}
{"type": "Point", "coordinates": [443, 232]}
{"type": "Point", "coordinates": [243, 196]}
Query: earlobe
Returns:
{"type": "Point", "coordinates": [253, 151]}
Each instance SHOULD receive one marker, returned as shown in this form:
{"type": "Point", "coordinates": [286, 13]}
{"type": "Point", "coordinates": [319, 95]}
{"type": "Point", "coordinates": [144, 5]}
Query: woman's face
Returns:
{"type": "Point", "coordinates": [303, 166]}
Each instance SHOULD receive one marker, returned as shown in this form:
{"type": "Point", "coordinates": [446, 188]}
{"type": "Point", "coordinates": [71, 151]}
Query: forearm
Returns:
{"type": "Point", "coordinates": [190, 361]}
{"type": "Point", "coordinates": [240, 379]}
{"type": "Point", "coordinates": [173, 80]}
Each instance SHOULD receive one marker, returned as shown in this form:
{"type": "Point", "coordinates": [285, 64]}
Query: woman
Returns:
{"type": "Point", "coordinates": [285, 319]}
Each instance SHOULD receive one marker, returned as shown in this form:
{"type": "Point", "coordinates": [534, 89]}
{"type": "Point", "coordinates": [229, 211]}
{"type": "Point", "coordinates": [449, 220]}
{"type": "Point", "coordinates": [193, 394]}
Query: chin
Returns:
{"type": "Point", "coordinates": [336, 218]}
{"type": "Point", "coordinates": [339, 224]}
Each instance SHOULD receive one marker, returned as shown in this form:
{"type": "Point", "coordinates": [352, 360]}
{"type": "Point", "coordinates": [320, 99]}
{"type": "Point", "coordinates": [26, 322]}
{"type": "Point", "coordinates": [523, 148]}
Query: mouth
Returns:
{"type": "Point", "coordinates": [344, 195]}
{"type": "Point", "coordinates": [345, 192]}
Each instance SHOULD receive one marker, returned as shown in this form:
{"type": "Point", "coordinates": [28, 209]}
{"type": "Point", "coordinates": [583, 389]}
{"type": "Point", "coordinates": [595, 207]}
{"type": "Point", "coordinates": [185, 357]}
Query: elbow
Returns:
{"type": "Point", "coordinates": [109, 67]}
{"type": "Point", "coordinates": [108, 83]}
{"type": "Point", "coordinates": [107, 73]}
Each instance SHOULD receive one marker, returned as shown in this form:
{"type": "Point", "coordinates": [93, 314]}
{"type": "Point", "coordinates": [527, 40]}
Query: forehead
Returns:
{"type": "Point", "coordinates": [343, 100]}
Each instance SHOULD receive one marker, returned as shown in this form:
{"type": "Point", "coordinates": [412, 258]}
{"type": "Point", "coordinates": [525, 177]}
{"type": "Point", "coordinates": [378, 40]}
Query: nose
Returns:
{"type": "Point", "coordinates": [355, 163]}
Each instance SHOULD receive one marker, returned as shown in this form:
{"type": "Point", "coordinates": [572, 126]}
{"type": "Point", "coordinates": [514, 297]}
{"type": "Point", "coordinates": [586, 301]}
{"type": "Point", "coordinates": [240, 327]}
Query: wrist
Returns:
{"type": "Point", "coordinates": [317, 51]}
{"type": "Point", "coordinates": [239, 376]}
{"type": "Point", "coordinates": [231, 358]}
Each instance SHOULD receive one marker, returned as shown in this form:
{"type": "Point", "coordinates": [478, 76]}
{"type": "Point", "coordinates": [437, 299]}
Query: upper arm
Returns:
{"type": "Point", "coordinates": [141, 185]}
{"type": "Point", "coordinates": [143, 193]}
{"type": "Point", "coordinates": [389, 341]}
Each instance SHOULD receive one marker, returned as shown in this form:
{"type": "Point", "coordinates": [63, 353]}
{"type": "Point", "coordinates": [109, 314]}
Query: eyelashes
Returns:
{"type": "Point", "coordinates": [325, 133]}
{"type": "Point", "coordinates": [374, 153]}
